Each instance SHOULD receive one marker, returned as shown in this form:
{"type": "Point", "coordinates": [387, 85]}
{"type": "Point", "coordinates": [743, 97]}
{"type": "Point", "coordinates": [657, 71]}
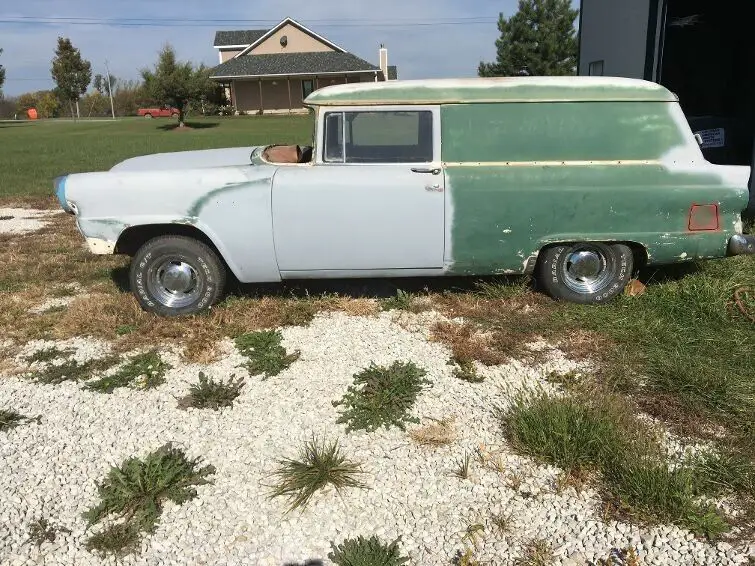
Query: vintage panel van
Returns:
{"type": "Point", "coordinates": [577, 180]}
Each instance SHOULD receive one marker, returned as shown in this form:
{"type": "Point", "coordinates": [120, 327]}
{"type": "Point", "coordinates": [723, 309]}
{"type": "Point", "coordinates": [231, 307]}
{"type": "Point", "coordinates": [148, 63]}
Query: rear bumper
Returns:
{"type": "Point", "coordinates": [742, 244]}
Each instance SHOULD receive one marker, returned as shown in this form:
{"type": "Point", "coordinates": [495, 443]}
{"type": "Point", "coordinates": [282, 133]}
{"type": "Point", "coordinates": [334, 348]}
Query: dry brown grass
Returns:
{"type": "Point", "coordinates": [440, 433]}
{"type": "Point", "coordinates": [35, 265]}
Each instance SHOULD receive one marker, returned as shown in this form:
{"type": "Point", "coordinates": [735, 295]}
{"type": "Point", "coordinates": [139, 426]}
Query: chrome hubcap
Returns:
{"type": "Point", "coordinates": [174, 284]}
{"type": "Point", "coordinates": [585, 270]}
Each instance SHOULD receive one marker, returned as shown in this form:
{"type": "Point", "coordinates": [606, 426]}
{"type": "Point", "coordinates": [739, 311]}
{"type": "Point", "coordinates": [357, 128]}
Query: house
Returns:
{"type": "Point", "coordinates": [274, 70]}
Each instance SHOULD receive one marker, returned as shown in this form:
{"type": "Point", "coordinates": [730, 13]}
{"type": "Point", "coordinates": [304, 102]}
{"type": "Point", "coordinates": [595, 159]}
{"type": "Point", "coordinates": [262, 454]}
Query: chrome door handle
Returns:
{"type": "Point", "coordinates": [434, 171]}
{"type": "Point", "coordinates": [434, 188]}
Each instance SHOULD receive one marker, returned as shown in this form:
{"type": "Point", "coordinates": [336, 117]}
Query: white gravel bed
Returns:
{"type": "Point", "coordinates": [24, 220]}
{"type": "Point", "coordinates": [51, 468]}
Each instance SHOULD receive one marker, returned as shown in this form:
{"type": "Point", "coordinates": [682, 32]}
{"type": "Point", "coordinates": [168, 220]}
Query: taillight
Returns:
{"type": "Point", "coordinates": [703, 217]}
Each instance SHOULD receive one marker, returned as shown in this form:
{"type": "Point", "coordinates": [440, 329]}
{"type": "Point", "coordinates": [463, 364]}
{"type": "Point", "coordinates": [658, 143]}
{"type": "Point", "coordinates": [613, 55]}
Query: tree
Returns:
{"type": "Point", "coordinates": [539, 39]}
{"type": "Point", "coordinates": [176, 83]}
{"type": "Point", "coordinates": [70, 72]}
{"type": "Point", "coordinates": [2, 76]}
{"type": "Point", "coordinates": [100, 83]}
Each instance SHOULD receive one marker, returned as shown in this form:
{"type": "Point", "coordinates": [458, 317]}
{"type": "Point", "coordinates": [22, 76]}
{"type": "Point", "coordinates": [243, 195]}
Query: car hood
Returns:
{"type": "Point", "coordinates": [222, 157]}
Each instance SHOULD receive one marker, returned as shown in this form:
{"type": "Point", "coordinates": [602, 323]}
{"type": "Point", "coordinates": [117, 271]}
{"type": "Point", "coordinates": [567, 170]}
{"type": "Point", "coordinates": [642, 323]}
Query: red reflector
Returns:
{"type": "Point", "coordinates": [703, 217]}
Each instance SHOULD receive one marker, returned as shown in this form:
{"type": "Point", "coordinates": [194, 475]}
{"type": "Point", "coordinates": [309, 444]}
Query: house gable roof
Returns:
{"type": "Point", "coordinates": [290, 21]}
{"type": "Point", "coordinates": [238, 38]}
{"type": "Point", "coordinates": [281, 64]}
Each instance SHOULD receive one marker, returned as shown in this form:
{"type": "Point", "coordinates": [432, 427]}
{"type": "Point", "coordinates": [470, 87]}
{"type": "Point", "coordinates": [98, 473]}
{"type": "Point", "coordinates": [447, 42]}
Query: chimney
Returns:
{"type": "Point", "coordinates": [384, 61]}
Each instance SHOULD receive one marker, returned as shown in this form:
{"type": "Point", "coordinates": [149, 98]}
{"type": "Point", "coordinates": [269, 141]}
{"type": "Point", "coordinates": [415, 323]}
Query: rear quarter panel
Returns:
{"type": "Point", "coordinates": [524, 175]}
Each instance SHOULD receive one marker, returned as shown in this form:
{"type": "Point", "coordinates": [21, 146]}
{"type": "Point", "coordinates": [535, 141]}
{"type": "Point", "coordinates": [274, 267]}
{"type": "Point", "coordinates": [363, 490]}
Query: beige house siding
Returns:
{"type": "Point", "coordinates": [275, 92]}
{"type": "Point", "coordinates": [229, 54]}
{"type": "Point", "coordinates": [298, 42]}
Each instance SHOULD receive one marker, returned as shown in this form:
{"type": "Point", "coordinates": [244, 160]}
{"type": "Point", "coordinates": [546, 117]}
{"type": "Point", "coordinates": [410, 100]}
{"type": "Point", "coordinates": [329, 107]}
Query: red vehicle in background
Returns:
{"type": "Point", "coordinates": [166, 111]}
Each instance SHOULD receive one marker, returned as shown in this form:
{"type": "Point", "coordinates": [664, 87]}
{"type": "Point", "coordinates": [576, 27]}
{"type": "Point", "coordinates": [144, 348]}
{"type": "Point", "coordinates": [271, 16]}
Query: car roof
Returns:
{"type": "Point", "coordinates": [494, 89]}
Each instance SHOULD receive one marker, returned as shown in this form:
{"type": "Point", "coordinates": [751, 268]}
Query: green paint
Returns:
{"type": "Point", "coordinates": [502, 89]}
{"type": "Point", "coordinates": [502, 215]}
{"type": "Point", "coordinates": [568, 131]}
{"type": "Point", "coordinates": [196, 207]}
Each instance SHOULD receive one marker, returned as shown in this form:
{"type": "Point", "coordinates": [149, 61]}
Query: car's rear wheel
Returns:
{"type": "Point", "coordinates": [176, 275]}
{"type": "Point", "coordinates": [148, 116]}
{"type": "Point", "coordinates": [585, 272]}
{"type": "Point", "coordinates": [174, 115]}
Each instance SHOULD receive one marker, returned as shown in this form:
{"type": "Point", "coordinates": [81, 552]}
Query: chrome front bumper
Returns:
{"type": "Point", "coordinates": [742, 244]}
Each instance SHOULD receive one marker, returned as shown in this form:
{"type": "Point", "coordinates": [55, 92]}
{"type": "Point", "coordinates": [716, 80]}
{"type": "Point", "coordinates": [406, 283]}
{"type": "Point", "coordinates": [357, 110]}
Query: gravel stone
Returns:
{"type": "Point", "coordinates": [51, 468]}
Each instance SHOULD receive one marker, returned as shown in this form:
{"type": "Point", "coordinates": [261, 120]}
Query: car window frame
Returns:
{"type": "Point", "coordinates": [326, 110]}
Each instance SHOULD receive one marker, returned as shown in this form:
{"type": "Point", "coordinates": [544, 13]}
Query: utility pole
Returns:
{"type": "Point", "coordinates": [110, 91]}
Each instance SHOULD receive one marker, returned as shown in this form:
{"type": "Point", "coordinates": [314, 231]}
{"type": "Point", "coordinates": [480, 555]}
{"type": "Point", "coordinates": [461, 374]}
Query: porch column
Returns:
{"type": "Point", "coordinates": [262, 106]}
{"type": "Point", "coordinates": [288, 83]}
{"type": "Point", "coordinates": [317, 83]}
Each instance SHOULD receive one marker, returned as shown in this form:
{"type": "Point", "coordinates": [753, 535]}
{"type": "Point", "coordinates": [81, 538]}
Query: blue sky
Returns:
{"type": "Point", "coordinates": [418, 51]}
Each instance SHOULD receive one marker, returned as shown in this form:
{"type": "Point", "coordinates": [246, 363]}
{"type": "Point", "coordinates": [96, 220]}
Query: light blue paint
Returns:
{"type": "Point", "coordinates": [60, 191]}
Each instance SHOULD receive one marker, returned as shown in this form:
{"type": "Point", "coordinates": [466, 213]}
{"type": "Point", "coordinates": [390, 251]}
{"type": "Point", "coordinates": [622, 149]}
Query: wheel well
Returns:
{"type": "Point", "coordinates": [131, 239]}
{"type": "Point", "coordinates": [639, 252]}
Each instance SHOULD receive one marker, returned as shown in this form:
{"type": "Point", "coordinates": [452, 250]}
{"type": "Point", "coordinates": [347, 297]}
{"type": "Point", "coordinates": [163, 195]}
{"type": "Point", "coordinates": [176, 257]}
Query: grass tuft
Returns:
{"type": "Point", "coordinates": [42, 530]}
{"type": "Point", "coordinates": [537, 552]}
{"type": "Point", "coordinates": [211, 394]}
{"type": "Point", "coordinates": [441, 433]}
{"type": "Point", "coordinates": [503, 523]}
{"type": "Point", "coordinates": [318, 466]}
{"type": "Point", "coordinates": [382, 396]}
{"type": "Point", "coordinates": [143, 371]}
{"type": "Point", "coordinates": [49, 354]}
{"type": "Point", "coordinates": [118, 540]}
{"type": "Point", "coordinates": [461, 470]}
{"type": "Point", "coordinates": [136, 491]}
{"type": "Point", "coordinates": [264, 352]}
{"type": "Point", "coordinates": [363, 551]}
{"type": "Point", "coordinates": [72, 370]}
{"type": "Point", "coordinates": [10, 419]}
{"type": "Point", "coordinates": [466, 371]}
{"type": "Point", "coordinates": [582, 433]}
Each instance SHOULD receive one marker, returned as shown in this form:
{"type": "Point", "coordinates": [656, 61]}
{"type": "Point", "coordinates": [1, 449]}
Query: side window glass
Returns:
{"type": "Point", "coordinates": [334, 137]}
{"type": "Point", "coordinates": [389, 137]}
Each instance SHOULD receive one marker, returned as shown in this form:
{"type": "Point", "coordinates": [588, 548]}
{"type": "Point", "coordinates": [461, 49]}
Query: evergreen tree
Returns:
{"type": "Point", "coordinates": [71, 73]}
{"type": "Point", "coordinates": [540, 39]}
{"type": "Point", "coordinates": [176, 83]}
{"type": "Point", "coordinates": [2, 76]}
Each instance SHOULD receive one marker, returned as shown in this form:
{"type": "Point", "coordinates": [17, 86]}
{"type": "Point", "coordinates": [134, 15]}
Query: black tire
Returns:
{"type": "Point", "coordinates": [585, 272]}
{"type": "Point", "coordinates": [176, 275]}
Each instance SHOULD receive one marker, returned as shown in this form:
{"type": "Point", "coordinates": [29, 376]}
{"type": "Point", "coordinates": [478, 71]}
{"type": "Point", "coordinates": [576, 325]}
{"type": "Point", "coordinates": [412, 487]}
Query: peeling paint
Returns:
{"type": "Point", "coordinates": [100, 247]}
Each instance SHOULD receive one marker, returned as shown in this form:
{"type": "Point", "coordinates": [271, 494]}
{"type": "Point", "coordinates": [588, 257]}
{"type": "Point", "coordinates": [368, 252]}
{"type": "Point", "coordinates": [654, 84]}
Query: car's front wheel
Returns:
{"type": "Point", "coordinates": [176, 275]}
{"type": "Point", "coordinates": [585, 272]}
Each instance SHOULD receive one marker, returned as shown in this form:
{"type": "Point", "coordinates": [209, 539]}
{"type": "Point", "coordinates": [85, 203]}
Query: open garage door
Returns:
{"type": "Point", "coordinates": [707, 57]}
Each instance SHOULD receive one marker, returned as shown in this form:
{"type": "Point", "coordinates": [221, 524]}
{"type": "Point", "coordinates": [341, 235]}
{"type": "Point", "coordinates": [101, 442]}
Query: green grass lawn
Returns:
{"type": "Point", "coordinates": [34, 153]}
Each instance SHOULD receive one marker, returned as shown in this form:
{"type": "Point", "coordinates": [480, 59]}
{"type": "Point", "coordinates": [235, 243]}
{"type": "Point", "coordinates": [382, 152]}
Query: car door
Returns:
{"type": "Point", "coordinates": [372, 201]}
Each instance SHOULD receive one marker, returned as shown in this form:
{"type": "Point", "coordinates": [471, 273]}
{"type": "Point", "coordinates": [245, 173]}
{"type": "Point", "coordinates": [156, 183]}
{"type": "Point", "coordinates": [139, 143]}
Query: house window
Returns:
{"type": "Point", "coordinates": [379, 137]}
{"type": "Point", "coordinates": [596, 69]}
{"type": "Point", "coordinates": [306, 88]}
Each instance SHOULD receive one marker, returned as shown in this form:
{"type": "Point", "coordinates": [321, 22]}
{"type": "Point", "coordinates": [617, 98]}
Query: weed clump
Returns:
{"type": "Point", "coordinates": [318, 466]}
{"type": "Point", "coordinates": [143, 371]}
{"type": "Point", "coordinates": [10, 419]}
{"type": "Point", "coordinates": [382, 396]}
{"type": "Point", "coordinates": [135, 493]}
{"type": "Point", "coordinates": [71, 370]}
{"type": "Point", "coordinates": [264, 352]}
{"type": "Point", "coordinates": [363, 551]}
{"type": "Point", "coordinates": [42, 530]}
{"type": "Point", "coordinates": [211, 394]}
